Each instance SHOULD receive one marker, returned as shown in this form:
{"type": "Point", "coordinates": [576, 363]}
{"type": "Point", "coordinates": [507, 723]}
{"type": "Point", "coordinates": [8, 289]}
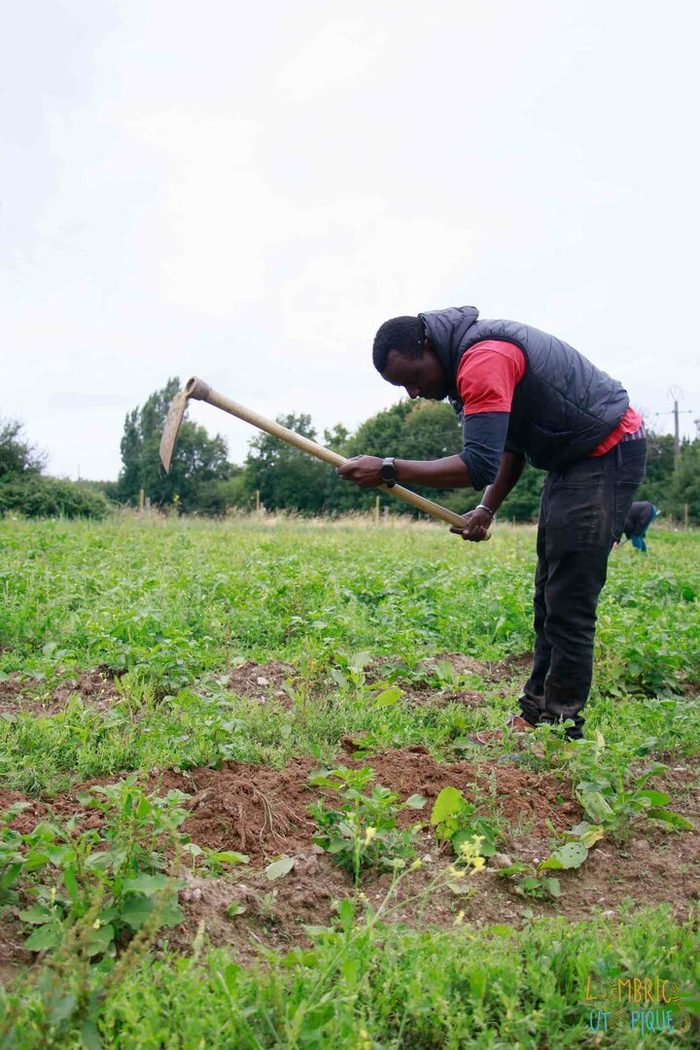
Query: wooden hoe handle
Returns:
{"type": "Point", "coordinates": [201, 391]}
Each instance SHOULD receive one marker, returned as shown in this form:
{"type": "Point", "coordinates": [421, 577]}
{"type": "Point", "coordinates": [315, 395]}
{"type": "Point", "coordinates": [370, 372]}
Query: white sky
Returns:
{"type": "Point", "coordinates": [247, 191]}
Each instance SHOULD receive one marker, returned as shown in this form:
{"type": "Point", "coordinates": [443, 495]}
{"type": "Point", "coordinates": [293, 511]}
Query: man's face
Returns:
{"type": "Point", "coordinates": [421, 376]}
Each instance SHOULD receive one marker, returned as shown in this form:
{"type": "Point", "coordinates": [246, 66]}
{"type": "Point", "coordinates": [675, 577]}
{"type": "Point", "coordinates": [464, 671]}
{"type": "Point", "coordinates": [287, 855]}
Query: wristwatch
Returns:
{"type": "Point", "coordinates": [387, 472]}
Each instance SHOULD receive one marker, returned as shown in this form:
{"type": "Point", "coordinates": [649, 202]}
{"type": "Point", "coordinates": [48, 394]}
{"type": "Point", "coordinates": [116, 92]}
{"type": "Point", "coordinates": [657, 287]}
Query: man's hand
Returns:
{"type": "Point", "coordinates": [476, 525]}
{"type": "Point", "coordinates": [363, 470]}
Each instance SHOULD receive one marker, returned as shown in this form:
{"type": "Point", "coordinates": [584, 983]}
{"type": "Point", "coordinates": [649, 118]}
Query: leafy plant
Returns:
{"type": "Point", "coordinates": [455, 820]}
{"type": "Point", "coordinates": [361, 830]}
{"type": "Point", "coordinates": [534, 881]}
{"type": "Point", "coordinates": [610, 801]}
{"type": "Point", "coordinates": [113, 874]}
{"type": "Point", "coordinates": [529, 882]}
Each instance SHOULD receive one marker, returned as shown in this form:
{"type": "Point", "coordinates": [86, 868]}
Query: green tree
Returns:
{"type": "Point", "coordinates": [684, 490]}
{"type": "Point", "coordinates": [523, 502]}
{"type": "Point", "coordinates": [658, 477]}
{"type": "Point", "coordinates": [24, 489]}
{"type": "Point", "coordinates": [198, 458]}
{"type": "Point", "coordinates": [430, 430]}
{"type": "Point", "coordinates": [406, 430]}
{"type": "Point", "coordinates": [286, 477]}
{"type": "Point", "coordinates": [35, 496]}
{"type": "Point", "coordinates": [380, 435]}
{"type": "Point", "coordinates": [216, 497]}
{"type": "Point", "coordinates": [17, 455]}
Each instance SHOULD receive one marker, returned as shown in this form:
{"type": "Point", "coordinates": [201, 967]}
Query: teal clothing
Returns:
{"type": "Point", "coordinates": [640, 518]}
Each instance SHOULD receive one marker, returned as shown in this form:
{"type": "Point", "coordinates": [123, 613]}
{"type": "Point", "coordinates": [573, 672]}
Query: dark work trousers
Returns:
{"type": "Point", "coordinates": [582, 513]}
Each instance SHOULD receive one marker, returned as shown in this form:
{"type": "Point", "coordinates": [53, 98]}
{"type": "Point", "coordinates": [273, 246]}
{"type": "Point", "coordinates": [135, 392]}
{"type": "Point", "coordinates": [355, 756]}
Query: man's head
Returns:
{"type": "Point", "coordinates": [403, 356]}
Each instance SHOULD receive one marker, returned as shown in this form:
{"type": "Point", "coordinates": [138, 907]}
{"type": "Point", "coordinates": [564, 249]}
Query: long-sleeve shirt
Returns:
{"type": "Point", "coordinates": [486, 380]}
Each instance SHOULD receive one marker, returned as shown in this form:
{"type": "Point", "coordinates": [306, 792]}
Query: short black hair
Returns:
{"type": "Point", "coordinates": [405, 335]}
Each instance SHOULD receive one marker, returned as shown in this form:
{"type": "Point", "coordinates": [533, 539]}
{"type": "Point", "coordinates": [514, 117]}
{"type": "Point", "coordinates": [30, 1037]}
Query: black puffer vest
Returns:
{"type": "Point", "coordinates": [562, 408]}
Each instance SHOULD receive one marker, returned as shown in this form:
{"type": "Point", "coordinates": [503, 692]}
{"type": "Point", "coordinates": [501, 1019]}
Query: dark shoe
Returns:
{"type": "Point", "coordinates": [515, 724]}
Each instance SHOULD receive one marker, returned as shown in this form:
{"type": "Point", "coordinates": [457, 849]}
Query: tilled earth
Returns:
{"type": "Point", "coordinates": [264, 813]}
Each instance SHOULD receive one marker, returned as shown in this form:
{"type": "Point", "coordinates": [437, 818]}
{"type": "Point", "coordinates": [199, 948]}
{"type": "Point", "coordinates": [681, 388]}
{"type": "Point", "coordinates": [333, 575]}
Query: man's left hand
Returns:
{"type": "Point", "coordinates": [476, 526]}
{"type": "Point", "coordinates": [363, 470]}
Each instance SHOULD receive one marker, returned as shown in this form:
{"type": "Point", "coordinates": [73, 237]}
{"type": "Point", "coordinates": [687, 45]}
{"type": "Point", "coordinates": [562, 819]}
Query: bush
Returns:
{"type": "Point", "coordinates": [39, 497]}
{"type": "Point", "coordinates": [215, 497]}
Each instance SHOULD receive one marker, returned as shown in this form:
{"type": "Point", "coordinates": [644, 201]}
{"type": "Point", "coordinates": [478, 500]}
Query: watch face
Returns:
{"type": "Point", "coordinates": [388, 472]}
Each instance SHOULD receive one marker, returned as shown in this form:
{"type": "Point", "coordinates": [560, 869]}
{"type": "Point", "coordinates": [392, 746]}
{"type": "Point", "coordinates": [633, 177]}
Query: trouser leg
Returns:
{"type": "Point", "coordinates": [532, 702]}
{"type": "Point", "coordinates": [582, 514]}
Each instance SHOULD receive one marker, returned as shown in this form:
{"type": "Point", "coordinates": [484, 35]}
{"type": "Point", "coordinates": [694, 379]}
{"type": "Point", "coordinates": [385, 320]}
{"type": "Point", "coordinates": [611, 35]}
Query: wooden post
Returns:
{"type": "Point", "coordinates": [257, 501]}
{"type": "Point", "coordinates": [685, 516]}
{"type": "Point", "coordinates": [142, 500]}
{"type": "Point", "coordinates": [376, 511]}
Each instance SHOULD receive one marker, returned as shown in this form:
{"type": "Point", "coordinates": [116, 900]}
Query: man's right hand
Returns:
{"type": "Point", "coordinates": [476, 526]}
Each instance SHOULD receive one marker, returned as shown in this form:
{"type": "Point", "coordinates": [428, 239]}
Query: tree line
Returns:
{"type": "Point", "coordinates": [277, 476]}
{"type": "Point", "coordinates": [25, 488]}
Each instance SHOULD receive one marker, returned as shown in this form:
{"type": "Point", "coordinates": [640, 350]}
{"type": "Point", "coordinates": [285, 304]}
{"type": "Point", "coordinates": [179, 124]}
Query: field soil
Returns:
{"type": "Point", "coordinates": [263, 813]}
{"type": "Point", "coordinates": [96, 688]}
{"type": "Point", "coordinates": [261, 682]}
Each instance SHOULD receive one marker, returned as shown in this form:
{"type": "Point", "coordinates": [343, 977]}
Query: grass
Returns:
{"type": "Point", "coordinates": [367, 985]}
{"type": "Point", "coordinates": [172, 607]}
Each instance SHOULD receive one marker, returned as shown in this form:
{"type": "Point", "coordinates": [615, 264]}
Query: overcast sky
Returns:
{"type": "Point", "coordinates": [247, 191]}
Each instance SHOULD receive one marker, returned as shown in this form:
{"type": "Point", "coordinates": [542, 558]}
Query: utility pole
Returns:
{"type": "Point", "coordinates": [675, 394]}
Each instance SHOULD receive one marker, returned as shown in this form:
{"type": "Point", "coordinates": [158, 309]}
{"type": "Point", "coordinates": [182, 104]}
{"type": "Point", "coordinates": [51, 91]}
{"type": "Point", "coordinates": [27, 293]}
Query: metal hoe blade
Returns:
{"type": "Point", "coordinates": [172, 428]}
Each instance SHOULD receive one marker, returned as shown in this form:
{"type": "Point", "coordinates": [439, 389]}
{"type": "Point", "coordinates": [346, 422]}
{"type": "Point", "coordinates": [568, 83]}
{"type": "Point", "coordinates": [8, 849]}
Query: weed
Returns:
{"type": "Point", "coordinates": [114, 874]}
{"type": "Point", "coordinates": [361, 831]}
{"type": "Point", "coordinates": [455, 820]}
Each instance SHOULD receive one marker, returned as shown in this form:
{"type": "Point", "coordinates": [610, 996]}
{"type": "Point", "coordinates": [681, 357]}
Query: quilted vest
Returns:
{"type": "Point", "coordinates": [562, 408]}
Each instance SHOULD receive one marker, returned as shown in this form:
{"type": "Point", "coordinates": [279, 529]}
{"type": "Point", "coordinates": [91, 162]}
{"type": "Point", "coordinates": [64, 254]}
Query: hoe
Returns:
{"type": "Point", "coordinates": [201, 391]}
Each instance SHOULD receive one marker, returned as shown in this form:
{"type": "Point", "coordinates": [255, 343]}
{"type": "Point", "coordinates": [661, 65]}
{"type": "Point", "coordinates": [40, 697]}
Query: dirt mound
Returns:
{"type": "Point", "coordinates": [253, 809]}
{"type": "Point", "coordinates": [263, 812]}
{"type": "Point", "coordinates": [519, 795]}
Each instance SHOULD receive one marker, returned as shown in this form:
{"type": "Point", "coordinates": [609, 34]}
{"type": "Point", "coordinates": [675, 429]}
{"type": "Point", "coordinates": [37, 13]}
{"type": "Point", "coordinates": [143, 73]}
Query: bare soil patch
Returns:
{"type": "Point", "coordinates": [264, 813]}
{"type": "Point", "coordinates": [262, 682]}
{"type": "Point", "coordinates": [20, 694]}
{"type": "Point", "coordinates": [512, 672]}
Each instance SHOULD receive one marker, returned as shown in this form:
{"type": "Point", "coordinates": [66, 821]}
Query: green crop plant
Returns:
{"type": "Point", "coordinates": [536, 880]}
{"type": "Point", "coordinates": [357, 826]}
{"type": "Point", "coordinates": [112, 875]}
{"type": "Point", "coordinates": [169, 611]}
{"type": "Point", "coordinates": [616, 796]}
{"type": "Point", "coordinates": [456, 821]}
